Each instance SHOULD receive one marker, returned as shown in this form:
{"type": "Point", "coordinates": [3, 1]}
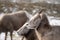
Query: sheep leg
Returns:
{"type": "Point", "coordinates": [6, 36]}
{"type": "Point", "coordinates": [11, 35]}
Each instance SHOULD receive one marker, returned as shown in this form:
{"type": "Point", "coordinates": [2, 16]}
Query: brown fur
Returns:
{"type": "Point", "coordinates": [11, 22]}
{"type": "Point", "coordinates": [44, 25]}
{"type": "Point", "coordinates": [41, 30]}
{"type": "Point", "coordinates": [44, 31]}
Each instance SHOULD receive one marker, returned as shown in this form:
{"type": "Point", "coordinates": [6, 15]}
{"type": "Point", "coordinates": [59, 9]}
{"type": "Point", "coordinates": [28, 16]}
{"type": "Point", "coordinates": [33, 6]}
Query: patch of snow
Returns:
{"type": "Point", "coordinates": [53, 21]}
{"type": "Point", "coordinates": [15, 37]}
{"type": "Point", "coordinates": [56, 2]}
{"type": "Point", "coordinates": [2, 36]}
{"type": "Point", "coordinates": [48, 1]}
{"type": "Point", "coordinates": [54, 12]}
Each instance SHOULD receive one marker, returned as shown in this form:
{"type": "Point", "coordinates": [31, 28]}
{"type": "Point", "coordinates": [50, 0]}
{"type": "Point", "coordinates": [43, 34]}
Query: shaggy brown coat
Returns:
{"type": "Point", "coordinates": [11, 22]}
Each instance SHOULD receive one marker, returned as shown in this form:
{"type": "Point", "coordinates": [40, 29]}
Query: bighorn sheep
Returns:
{"type": "Point", "coordinates": [31, 24]}
{"type": "Point", "coordinates": [44, 31]}
{"type": "Point", "coordinates": [13, 21]}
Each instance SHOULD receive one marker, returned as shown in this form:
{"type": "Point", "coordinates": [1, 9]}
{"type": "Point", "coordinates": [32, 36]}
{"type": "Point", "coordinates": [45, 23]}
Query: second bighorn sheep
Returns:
{"type": "Point", "coordinates": [13, 21]}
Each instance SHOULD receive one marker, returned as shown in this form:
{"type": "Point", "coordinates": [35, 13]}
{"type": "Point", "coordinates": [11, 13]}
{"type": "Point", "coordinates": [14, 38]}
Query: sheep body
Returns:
{"type": "Point", "coordinates": [12, 21]}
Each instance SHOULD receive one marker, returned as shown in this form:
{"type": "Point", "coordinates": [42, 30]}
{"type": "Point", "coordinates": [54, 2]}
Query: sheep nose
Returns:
{"type": "Point", "coordinates": [23, 31]}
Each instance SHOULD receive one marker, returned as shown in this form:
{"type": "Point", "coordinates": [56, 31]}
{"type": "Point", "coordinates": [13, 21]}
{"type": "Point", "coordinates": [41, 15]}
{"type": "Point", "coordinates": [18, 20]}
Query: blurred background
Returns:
{"type": "Point", "coordinates": [52, 8]}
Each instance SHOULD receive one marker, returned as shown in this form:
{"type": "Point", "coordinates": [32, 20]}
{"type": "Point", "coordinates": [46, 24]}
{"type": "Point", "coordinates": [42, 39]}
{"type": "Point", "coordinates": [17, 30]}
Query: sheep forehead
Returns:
{"type": "Point", "coordinates": [35, 19]}
{"type": "Point", "coordinates": [34, 22]}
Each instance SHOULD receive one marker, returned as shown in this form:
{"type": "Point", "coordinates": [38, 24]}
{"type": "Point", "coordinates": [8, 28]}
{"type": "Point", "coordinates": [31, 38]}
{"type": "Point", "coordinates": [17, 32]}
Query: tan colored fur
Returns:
{"type": "Point", "coordinates": [41, 30]}
{"type": "Point", "coordinates": [45, 31]}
